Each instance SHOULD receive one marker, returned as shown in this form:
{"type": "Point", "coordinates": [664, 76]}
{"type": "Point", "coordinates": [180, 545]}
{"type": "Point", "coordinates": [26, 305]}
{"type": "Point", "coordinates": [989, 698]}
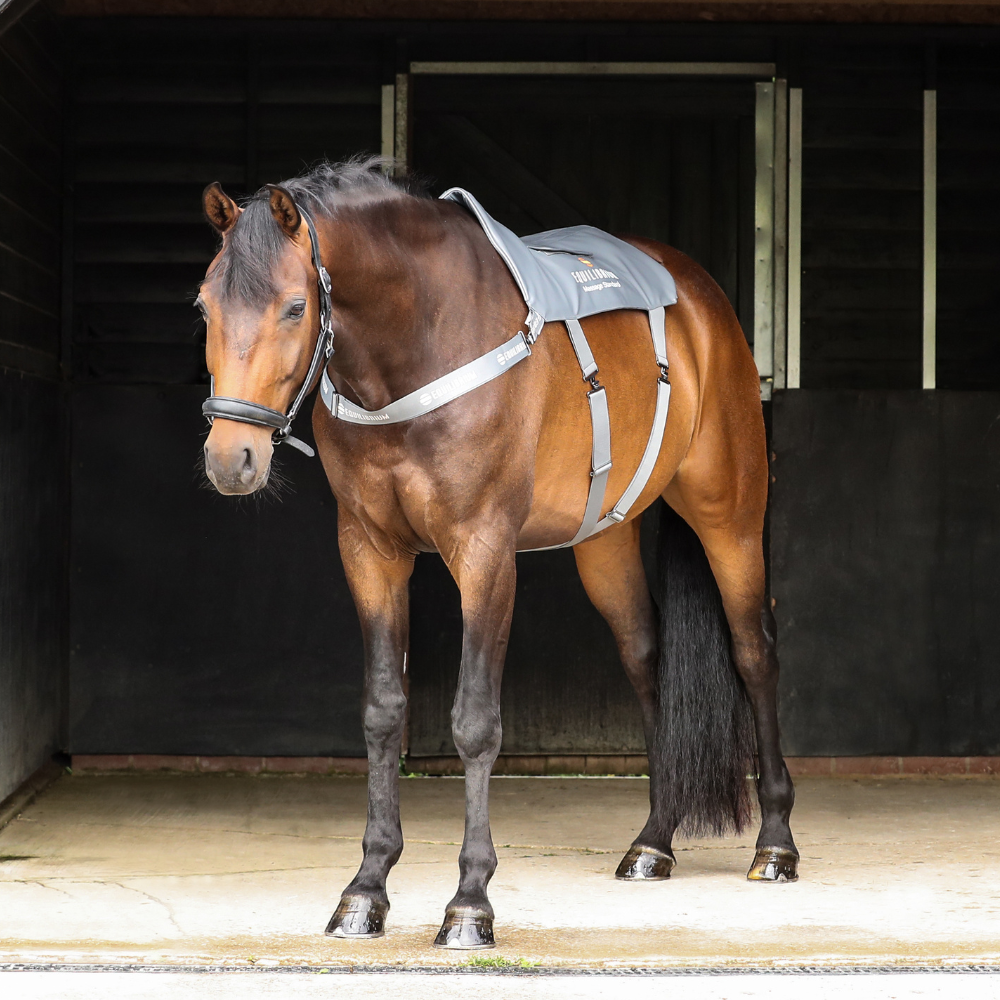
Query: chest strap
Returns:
{"type": "Point", "coordinates": [429, 397]}
{"type": "Point", "coordinates": [493, 364]}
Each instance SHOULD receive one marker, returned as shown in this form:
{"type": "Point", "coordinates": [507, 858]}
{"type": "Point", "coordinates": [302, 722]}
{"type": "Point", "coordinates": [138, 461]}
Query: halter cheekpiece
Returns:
{"type": "Point", "coordinates": [247, 412]}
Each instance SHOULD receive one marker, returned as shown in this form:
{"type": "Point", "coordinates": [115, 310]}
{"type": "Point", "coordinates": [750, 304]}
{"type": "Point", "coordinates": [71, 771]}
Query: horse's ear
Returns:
{"type": "Point", "coordinates": [220, 210]}
{"type": "Point", "coordinates": [284, 210]}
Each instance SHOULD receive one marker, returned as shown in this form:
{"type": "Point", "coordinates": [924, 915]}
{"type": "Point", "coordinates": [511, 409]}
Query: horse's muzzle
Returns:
{"type": "Point", "coordinates": [236, 467]}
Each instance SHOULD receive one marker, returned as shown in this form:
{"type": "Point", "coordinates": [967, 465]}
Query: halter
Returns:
{"type": "Point", "coordinates": [246, 412]}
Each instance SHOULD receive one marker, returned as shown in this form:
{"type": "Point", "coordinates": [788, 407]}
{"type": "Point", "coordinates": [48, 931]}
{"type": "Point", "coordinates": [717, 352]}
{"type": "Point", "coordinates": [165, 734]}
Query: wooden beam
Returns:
{"type": "Point", "coordinates": [971, 12]}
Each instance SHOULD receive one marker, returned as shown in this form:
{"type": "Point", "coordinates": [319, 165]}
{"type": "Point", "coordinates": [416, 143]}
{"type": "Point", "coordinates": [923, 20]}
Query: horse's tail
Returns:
{"type": "Point", "coordinates": [703, 745]}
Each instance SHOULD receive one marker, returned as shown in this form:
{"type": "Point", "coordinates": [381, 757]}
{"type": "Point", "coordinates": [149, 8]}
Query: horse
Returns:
{"type": "Point", "coordinates": [410, 288]}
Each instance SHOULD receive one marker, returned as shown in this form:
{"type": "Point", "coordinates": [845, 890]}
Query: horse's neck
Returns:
{"type": "Point", "coordinates": [406, 290]}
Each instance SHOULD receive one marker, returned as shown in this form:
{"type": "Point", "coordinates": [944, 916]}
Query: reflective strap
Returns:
{"type": "Point", "coordinates": [600, 462]}
{"type": "Point", "coordinates": [583, 352]}
{"type": "Point", "coordinates": [649, 457]}
{"type": "Point", "coordinates": [600, 466]}
{"type": "Point", "coordinates": [657, 327]}
{"type": "Point", "coordinates": [429, 397]}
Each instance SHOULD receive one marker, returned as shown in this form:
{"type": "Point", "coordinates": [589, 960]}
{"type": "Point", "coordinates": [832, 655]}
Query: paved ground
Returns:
{"type": "Point", "coordinates": [208, 869]}
{"type": "Point", "coordinates": [407, 986]}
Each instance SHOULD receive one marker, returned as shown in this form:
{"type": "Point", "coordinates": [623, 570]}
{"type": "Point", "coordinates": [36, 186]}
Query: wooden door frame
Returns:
{"type": "Point", "coordinates": [771, 232]}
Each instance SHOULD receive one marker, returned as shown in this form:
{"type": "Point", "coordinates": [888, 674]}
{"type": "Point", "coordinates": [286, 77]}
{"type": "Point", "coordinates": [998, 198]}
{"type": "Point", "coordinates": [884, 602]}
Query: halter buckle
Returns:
{"type": "Point", "coordinates": [324, 278]}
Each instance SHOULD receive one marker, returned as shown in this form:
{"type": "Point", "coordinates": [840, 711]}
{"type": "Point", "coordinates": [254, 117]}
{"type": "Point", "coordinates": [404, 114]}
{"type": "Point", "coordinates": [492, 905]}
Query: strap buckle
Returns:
{"type": "Point", "coordinates": [664, 373]}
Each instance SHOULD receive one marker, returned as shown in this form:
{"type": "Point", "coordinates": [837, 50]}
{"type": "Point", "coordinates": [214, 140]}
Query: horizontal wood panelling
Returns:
{"type": "Point", "coordinates": [26, 237]}
{"type": "Point", "coordinates": [30, 194]}
{"type": "Point", "coordinates": [29, 282]}
{"type": "Point", "coordinates": [144, 322]}
{"type": "Point", "coordinates": [861, 215]}
{"type": "Point", "coordinates": [131, 243]}
{"type": "Point", "coordinates": [33, 503]}
{"type": "Point", "coordinates": [161, 110]}
{"type": "Point", "coordinates": [148, 282]}
{"type": "Point", "coordinates": [125, 363]}
{"type": "Point", "coordinates": [33, 64]}
{"type": "Point", "coordinates": [968, 351]}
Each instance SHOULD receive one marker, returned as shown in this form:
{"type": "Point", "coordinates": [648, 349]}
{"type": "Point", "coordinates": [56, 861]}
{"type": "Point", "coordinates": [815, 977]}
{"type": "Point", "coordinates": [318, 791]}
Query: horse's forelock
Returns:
{"type": "Point", "coordinates": [252, 249]}
{"type": "Point", "coordinates": [256, 242]}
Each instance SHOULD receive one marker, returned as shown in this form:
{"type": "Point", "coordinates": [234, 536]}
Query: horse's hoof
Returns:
{"type": "Point", "coordinates": [774, 864]}
{"type": "Point", "coordinates": [466, 928]}
{"type": "Point", "coordinates": [645, 864]}
{"type": "Point", "coordinates": [358, 917]}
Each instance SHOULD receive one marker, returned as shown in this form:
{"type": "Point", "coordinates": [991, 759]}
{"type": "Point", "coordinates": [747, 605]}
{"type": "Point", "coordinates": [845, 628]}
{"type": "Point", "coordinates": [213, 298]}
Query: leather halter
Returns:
{"type": "Point", "coordinates": [246, 412]}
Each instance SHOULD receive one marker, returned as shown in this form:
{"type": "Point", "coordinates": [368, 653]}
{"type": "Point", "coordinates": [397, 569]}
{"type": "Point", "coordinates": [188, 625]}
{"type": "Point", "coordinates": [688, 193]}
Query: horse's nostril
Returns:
{"type": "Point", "coordinates": [249, 471]}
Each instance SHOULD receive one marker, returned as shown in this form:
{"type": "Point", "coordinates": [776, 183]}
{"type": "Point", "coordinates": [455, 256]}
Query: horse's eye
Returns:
{"type": "Point", "coordinates": [296, 310]}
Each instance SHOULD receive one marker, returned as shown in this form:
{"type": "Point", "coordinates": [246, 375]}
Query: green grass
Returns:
{"type": "Point", "coordinates": [500, 962]}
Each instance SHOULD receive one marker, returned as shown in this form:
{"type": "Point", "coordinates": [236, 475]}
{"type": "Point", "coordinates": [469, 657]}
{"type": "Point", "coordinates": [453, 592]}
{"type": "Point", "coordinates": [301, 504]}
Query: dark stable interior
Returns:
{"type": "Point", "coordinates": [143, 613]}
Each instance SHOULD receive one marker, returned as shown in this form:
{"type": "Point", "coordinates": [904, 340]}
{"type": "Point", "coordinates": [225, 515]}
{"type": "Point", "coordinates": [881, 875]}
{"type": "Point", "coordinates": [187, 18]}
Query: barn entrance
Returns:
{"type": "Point", "coordinates": [657, 150]}
{"type": "Point", "coordinates": [114, 125]}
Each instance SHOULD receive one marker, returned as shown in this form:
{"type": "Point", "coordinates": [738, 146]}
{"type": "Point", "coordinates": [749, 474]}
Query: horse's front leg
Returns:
{"type": "Point", "coordinates": [483, 566]}
{"type": "Point", "coordinates": [378, 583]}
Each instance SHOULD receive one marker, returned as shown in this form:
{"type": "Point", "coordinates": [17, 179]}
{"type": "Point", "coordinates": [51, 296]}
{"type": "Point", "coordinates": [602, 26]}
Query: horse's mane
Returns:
{"type": "Point", "coordinates": [256, 242]}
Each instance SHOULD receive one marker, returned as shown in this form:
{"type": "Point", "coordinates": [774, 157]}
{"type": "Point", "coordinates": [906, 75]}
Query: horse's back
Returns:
{"type": "Point", "coordinates": [711, 368]}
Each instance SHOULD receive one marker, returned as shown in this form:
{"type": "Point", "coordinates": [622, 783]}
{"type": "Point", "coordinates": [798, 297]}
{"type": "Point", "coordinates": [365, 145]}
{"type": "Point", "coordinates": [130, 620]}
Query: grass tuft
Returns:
{"type": "Point", "coordinates": [500, 962]}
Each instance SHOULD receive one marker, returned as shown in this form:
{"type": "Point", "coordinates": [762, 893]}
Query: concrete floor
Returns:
{"type": "Point", "coordinates": [207, 869]}
{"type": "Point", "coordinates": [462, 986]}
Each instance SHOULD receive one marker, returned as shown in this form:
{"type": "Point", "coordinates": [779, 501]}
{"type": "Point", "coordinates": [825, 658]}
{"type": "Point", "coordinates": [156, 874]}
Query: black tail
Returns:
{"type": "Point", "coordinates": [703, 748]}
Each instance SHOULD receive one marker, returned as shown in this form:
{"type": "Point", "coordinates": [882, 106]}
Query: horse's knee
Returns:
{"type": "Point", "coordinates": [477, 734]}
{"type": "Point", "coordinates": [384, 716]}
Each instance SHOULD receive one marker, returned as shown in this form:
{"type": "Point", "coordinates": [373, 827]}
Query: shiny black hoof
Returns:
{"type": "Point", "coordinates": [774, 864]}
{"type": "Point", "coordinates": [465, 928]}
{"type": "Point", "coordinates": [645, 864]}
{"type": "Point", "coordinates": [358, 917]}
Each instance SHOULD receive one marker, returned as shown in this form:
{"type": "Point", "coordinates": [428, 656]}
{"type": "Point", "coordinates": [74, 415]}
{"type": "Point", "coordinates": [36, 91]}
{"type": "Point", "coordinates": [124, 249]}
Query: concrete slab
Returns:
{"type": "Point", "coordinates": [456, 986]}
{"type": "Point", "coordinates": [242, 870]}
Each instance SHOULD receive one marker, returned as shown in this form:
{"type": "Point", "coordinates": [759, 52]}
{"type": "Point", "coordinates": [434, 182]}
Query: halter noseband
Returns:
{"type": "Point", "coordinates": [246, 412]}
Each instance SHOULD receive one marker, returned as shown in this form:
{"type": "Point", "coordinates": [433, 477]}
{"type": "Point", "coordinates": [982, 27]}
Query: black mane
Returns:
{"type": "Point", "coordinates": [256, 242]}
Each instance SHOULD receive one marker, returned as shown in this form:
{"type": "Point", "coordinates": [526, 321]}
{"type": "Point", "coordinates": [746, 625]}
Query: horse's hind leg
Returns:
{"type": "Point", "coordinates": [379, 586]}
{"type": "Point", "coordinates": [732, 543]}
{"type": "Point", "coordinates": [612, 573]}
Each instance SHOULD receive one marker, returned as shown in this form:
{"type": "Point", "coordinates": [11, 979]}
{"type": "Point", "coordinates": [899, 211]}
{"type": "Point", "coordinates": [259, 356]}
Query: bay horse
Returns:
{"type": "Point", "coordinates": [415, 290]}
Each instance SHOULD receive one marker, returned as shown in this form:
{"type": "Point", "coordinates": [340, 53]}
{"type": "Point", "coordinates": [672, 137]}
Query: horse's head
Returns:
{"type": "Point", "coordinates": [260, 304]}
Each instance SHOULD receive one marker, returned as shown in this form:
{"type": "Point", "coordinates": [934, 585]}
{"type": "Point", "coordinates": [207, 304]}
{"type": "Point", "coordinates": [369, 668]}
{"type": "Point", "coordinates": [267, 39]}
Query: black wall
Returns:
{"type": "Point", "coordinates": [167, 656]}
{"type": "Point", "coordinates": [885, 543]}
{"type": "Point", "coordinates": [33, 499]}
{"type": "Point", "coordinates": [202, 625]}
{"type": "Point", "coordinates": [968, 348]}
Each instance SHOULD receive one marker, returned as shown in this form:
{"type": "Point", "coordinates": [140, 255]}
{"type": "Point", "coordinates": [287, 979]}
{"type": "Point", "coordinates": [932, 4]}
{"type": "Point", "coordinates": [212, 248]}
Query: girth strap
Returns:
{"type": "Point", "coordinates": [600, 461]}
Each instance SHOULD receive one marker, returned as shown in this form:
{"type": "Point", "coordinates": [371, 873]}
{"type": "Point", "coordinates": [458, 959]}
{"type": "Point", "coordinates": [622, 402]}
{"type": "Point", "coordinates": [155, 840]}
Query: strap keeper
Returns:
{"type": "Point", "coordinates": [613, 515]}
{"type": "Point", "coordinates": [601, 470]}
